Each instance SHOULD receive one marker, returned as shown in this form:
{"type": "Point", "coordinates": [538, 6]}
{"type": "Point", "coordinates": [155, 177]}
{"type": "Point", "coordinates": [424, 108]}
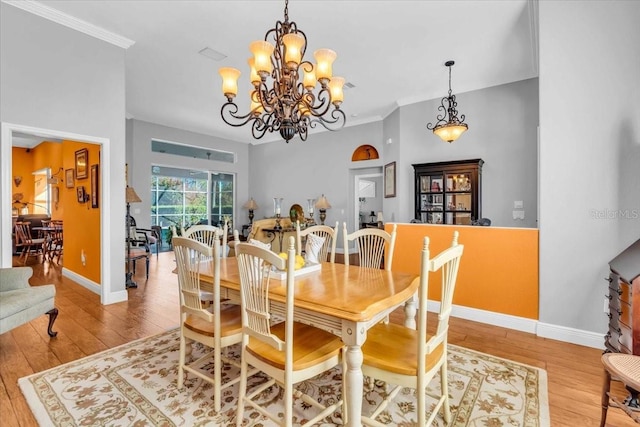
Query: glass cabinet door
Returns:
{"type": "Point", "coordinates": [458, 200]}
{"type": "Point", "coordinates": [431, 184]}
{"type": "Point", "coordinates": [432, 198]}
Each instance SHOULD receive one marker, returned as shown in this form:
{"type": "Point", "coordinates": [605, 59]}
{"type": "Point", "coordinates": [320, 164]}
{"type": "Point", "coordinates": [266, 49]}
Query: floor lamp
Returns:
{"type": "Point", "coordinates": [132, 197]}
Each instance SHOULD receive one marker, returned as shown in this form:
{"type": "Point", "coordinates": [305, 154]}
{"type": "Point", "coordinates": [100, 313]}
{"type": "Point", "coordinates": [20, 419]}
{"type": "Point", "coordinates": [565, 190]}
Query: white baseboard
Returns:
{"type": "Point", "coordinates": [571, 335]}
{"type": "Point", "coordinates": [81, 280]}
{"type": "Point", "coordinates": [544, 330]}
{"type": "Point", "coordinates": [94, 287]}
{"type": "Point", "coordinates": [488, 317]}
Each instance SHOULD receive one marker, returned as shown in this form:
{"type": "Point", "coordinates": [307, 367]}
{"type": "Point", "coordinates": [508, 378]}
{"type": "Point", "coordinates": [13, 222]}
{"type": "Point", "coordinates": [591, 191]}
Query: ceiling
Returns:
{"type": "Point", "coordinates": [393, 52]}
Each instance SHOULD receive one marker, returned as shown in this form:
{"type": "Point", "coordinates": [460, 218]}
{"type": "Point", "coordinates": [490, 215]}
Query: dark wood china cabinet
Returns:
{"type": "Point", "coordinates": [448, 192]}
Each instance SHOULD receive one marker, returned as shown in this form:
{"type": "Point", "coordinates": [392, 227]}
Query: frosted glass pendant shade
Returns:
{"type": "Point", "coordinates": [293, 45]}
{"type": "Point", "coordinates": [262, 51]}
{"type": "Point", "coordinates": [324, 64]}
{"type": "Point", "coordinates": [229, 81]}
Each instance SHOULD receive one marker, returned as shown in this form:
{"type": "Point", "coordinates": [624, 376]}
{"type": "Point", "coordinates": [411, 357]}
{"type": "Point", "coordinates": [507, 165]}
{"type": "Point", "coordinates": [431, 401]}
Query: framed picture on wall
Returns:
{"type": "Point", "coordinates": [81, 194]}
{"type": "Point", "coordinates": [68, 179]}
{"type": "Point", "coordinates": [94, 186]}
{"type": "Point", "coordinates": [82, 163]}
{"type": "Point", "coordinates": [390, 180]}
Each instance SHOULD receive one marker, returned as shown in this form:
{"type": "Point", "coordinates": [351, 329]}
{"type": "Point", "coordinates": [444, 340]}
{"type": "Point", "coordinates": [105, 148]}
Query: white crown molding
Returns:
{"type": "Point", "coordinates": [69, 21]}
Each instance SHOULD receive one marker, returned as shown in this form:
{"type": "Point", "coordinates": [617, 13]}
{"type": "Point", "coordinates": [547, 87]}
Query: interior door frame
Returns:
{"type": "Point", "coordinates": [6, 143]}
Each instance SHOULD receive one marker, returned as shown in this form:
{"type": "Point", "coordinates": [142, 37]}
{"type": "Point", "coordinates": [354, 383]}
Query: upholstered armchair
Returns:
{"type": "Point", "coordinates": [21, 302]}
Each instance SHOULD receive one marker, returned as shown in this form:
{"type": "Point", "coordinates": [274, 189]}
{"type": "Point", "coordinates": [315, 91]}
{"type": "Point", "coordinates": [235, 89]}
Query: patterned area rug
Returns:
{"type": "Point", "coordinates": [136, 384]}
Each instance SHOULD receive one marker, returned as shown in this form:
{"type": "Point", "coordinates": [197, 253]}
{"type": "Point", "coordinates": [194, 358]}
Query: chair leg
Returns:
{"type": "Point", "coordinates": [242, 391]}
{"type": "Point", "coordinates": [445, 392]}
{"type": "Point", "coordinates": [147, 265]}
{"type": "Point", "coordinates": [606, 387]}
{"type": "Point", "coordinates": [181, 362]}
{"type": "Point", "coordinates": [53, 314]}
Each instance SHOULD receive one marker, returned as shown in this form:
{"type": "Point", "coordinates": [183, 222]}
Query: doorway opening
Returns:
{"type": "Point", "coordinates": [10, 134]}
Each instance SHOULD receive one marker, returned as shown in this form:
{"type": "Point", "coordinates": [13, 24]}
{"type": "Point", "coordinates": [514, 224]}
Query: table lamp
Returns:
{"type": "Point", "coordinates": [322, 205]}
{"type": "Point", "coordinates": [131, 197]}
{"type": "Point", "coordinates": [251, 205]}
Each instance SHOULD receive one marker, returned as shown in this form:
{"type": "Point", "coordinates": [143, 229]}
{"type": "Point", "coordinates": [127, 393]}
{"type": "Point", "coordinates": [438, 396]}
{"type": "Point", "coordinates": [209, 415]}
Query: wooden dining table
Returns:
{"type": "Point", "coordinates": [344, 300]}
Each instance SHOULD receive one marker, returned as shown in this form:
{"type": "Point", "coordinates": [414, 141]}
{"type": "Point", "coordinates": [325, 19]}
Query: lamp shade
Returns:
{"type": "Point", "coordinates": [323, 203]}
{"type": "Point", "coordinates": [229, 81]}
{"type": "Point", "coordinates": [254, 77]}
{"type": "Point", "coordinates": [294, 45]}
{"type": "Point", "coordinates": [262, 51]}
{"type": "Point", "coordinates": [450, 132]}
{"type": "Point", "coordinates": [324, 64]}
{"type": "Point", "coordinates": [132, 196]}
{"type": "Point", "coordinates": [309, 79]}
{"type": "Point", "coordinates": [251, 205]}
{"type": "Point", "coordinates": [335, 86]}
{"type": "Point", "coordinates": [256, 105]}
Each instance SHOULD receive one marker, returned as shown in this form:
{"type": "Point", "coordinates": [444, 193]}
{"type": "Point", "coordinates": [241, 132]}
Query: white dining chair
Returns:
{"type": "Point", "coordinates": [217, 326]}
{"type": "Point", "coordinates": [370, 244]}
{"type": "Point", "coordinates": [288, 352]}
{"type": "Point", "coordinates": [407, 357]}
{"type": "Point", "coordinates": [328, 236]}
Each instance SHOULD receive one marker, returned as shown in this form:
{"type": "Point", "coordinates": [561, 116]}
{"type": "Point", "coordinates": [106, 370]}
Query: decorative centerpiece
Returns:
{"type": "Point", "coordinates": [301, 267]}
{"type": "Point", "coordinates": [296, 214]}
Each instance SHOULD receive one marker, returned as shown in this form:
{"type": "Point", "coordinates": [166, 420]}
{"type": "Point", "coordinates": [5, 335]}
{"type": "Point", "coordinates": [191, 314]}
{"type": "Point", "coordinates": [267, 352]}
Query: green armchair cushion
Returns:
{"type": "Point", "coordinates": [21, 303]}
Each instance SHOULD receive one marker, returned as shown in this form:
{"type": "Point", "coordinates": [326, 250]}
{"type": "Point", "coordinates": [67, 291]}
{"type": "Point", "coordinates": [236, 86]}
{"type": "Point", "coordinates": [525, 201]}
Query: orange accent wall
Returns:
{"type": "Point", "coordinates": [498, 270]}
{"type": "Point", "coordinates": [81, 222]}
{"type": "Point", "coordinates": [22, 165]}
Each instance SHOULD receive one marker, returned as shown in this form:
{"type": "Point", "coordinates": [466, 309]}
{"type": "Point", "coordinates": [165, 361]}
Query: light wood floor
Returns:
{"type": "Point", "coordinates": [85, 327]}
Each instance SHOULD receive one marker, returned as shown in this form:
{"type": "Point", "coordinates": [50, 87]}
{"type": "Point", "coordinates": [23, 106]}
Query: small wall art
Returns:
{"type": "Point", "coordinates": [69, 182]}
{"type": "Point", "coordinates": [390, 180]}
{"type": "Point", "coordinates": [82, 194]}
{"type": "Point", "coordinates": [82, 163]}
{"type": "Point", "coordinates": [94, 186]}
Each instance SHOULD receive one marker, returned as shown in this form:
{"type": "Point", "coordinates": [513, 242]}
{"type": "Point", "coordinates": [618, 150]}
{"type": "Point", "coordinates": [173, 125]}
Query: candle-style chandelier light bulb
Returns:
{"type": "Point", "coordinates": [283, 98]}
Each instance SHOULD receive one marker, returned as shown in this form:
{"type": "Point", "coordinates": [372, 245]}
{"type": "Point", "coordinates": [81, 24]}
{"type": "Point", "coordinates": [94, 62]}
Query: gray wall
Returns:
{"type": "Point", "coordinates": [589, 153]}
{"type": "Point", "coordinates": [56, 78]}
{"type": "Point", "coordinates": [300, 170]}
{"type": "Point", "coordinates": [323, 163]}
{"type": "Point", "coordinates": [502, 131]}
{"type": "Point", "coordinates": [142, 158]}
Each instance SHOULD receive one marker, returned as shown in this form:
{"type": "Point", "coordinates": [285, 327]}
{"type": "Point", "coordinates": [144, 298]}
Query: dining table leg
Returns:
{"type": "Point", "coordinates": [354, 385]}
{"type": "Point", "coordinates": [353, 336]}
{"type": "Point", "coordinates": [410, 310]}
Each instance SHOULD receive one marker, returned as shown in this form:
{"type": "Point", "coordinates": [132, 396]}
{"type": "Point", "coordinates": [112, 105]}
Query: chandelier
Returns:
{"type": "Point", "coordinates": [449, 130]}
{"type": "Point", "coordinates": [287, 102]}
